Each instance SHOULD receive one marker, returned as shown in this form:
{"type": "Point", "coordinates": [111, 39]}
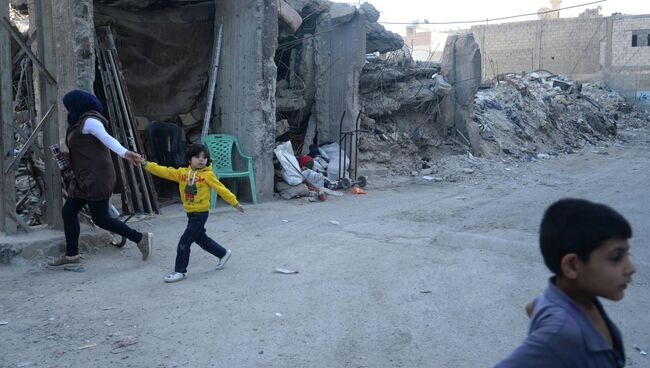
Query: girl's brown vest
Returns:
{"type": "Point", "coordinates": [91, 163]}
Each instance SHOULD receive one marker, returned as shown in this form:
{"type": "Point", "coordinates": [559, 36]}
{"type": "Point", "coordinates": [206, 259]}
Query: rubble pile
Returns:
{"type": "Point", "coordinates": [539, 113]}
{"type": "Point", "coordinates": [400, 111]}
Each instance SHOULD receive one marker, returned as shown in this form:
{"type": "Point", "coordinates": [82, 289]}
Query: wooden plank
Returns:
{"type": "Point", "coordinates": [42, 19]}
{"type": "Point", "coordinates": [7, 182]}
{"type": "Point", "coordinates": [30, 140]}
{"type": "Point", "coordinates": [41, 67]}
{"type": "Point", "coordinates": [216, 52]}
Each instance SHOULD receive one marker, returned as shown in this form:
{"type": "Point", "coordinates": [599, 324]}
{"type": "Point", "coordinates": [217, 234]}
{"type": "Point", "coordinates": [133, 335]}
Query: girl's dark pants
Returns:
{"type": "Point", "coordinates": [101, 218]}
{"type": "Point", "coordinates": [195, 233]}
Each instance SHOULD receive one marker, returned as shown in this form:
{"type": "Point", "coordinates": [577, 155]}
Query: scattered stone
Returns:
{"type": "Point", "coordinates": [468, 171]}
{"type": "Point", "coordinates": [542, 156]}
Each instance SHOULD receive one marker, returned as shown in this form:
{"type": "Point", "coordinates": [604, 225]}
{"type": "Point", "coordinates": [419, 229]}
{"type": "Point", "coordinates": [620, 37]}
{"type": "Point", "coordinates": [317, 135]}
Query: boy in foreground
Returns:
{"type": "Point", "coordinates": [585, 245]}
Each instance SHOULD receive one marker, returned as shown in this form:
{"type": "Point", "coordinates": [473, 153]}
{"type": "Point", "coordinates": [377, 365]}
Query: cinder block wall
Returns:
{"type": "Point", "coordinates": [628, 68]}
{"type": "Point", "coordinates": [587, 49]}
{"type": "Point", "coordinates": [565, 46]}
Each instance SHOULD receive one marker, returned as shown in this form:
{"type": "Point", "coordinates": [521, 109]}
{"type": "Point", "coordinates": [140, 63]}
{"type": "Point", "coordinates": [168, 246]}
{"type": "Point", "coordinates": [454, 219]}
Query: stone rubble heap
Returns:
{"type": "Point", "coordinates": [538, 113]}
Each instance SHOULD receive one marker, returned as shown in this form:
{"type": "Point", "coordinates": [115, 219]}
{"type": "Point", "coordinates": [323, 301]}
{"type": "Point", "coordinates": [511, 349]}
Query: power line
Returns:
{"type": "Point", "coordinates": [495, 19]}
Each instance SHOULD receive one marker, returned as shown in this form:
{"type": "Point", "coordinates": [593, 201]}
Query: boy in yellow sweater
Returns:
{"type": "Point", "coordinates": [194, 183]}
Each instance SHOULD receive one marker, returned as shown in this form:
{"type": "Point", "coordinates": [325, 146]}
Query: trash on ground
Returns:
{"type": "Point", "coordinates": [334, 222]}
{"type": "Point", "coordinates": [468, 171]}
{"type": "Point", "coordinates": [332, 192]}
{"type": "Point", "coordinates": [109, 323]}
{"type": "Point", "coordinates": [122, 343]}
{"type": "Point", "coordinates": [426, 291]}
{"type": "Point", "coordinates": [357, 190]}
{"type": "Point", "coordinates": [278, 314]}
{"type": "Point", "coordinates": [87, 346]}
{"type": "Point", "coordinates": [427, 177]}
{"type": "Point", "coordinates": [2, 323]}
{"type": "Point", "coordinates": [285, 221]}
{"type": "Point", "coordinates": [285, 271]}
{"type": "Point", "coordinates": [641, 351]}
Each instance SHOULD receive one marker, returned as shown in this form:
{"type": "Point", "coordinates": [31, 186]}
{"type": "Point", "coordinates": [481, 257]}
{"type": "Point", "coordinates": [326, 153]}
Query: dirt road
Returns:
{"type": "Point", "coordinates": [418, 274]}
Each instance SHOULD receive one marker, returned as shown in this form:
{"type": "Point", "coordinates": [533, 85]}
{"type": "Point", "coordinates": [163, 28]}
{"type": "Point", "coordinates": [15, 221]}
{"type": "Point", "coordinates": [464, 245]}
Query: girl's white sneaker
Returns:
{"type": "Point", "coordinates": [175, 276]}
{"type": "Point", "coordinates": [223, 260]}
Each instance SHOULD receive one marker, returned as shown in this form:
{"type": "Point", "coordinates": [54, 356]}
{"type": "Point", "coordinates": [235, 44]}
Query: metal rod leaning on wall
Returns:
{"type": "Point", "coordinates": [131, 175]}
{"type": "Point", "coordinates": [216, 52]}
{"type": "Point", "coordinates": [147, 182]}
{"type": "Point", "coordinates": [129, 125]}
{"type": "Point", "coordinates": [130, 179]}
{"type": "Point", "coordinates": [127, 206]}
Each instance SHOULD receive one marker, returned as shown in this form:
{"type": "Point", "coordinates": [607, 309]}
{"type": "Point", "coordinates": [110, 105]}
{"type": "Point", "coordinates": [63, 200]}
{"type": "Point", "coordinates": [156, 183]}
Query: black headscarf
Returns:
{"type": "Point", "coordinates": [79, 102]}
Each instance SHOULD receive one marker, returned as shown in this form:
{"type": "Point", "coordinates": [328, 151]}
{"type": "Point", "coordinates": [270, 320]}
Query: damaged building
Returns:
{"type": "Point", "coordinates": [296, 62]}
{"type": "Point", "coordinates": [302, 71]}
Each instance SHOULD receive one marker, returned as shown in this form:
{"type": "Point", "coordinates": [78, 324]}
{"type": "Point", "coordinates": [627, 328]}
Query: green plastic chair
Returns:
{"type": "Point", "coordinates": [221, 152]}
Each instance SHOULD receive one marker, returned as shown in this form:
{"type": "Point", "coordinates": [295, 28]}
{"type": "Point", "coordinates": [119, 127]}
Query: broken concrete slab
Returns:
{"type": "Point", "coordinates": [341, 13]}
{"type": "Point", "coordinates": [369, 12]}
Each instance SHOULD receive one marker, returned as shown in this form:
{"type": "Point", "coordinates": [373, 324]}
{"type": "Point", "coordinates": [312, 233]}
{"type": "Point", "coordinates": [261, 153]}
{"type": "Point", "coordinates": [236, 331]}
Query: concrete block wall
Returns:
{"type": "Point", "coordinates": [505, 48]}
{"type": "Point", "coordinates": [628, 68]}
{"type": "Point", "coordinates": [566, 46]}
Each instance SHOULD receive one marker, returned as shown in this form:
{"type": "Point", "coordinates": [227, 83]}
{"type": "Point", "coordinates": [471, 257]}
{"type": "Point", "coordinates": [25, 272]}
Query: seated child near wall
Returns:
{"type": "Point", "coordinates": [194, 184]}
{"type": "Point", "coordinates": [585, 245]}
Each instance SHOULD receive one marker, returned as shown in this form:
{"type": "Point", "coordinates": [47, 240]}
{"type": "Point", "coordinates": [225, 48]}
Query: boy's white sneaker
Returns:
{"type": "Point", "coordinates": [223, 260]}
{"type": "Point", "coordinates": [175, 276]}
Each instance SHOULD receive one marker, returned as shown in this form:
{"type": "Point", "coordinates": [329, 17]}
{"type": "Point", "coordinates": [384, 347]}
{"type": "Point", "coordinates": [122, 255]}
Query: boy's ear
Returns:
{"type": "Point", "coordinates": [569, 266]}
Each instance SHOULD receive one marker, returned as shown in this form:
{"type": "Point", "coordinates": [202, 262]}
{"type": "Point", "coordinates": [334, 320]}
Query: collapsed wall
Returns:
{"type": "Point", "coordinates": [320, 66]}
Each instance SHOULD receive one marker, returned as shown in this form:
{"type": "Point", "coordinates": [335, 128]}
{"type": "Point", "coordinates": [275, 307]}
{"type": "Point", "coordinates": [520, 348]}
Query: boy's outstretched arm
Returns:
{"type": "Point", "coordinates": [540, 348]}
{"type": "Point", "coordinates": [164, 172]}
{"type": "Point", "coordinates": [223, 192]}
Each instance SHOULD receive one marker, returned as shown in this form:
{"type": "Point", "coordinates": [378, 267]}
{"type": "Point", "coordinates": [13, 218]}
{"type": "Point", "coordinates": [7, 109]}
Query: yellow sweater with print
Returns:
{"type": "Point", "coordinates": [194, 185]}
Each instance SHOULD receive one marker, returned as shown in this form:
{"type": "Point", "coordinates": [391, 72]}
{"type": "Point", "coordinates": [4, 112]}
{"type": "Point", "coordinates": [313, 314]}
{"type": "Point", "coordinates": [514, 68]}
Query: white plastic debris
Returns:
{"type": "Point", "coordinates": [641, 351]}
{"type": "Point", "coordinates": [427, 177]}
{"type": "Point", "coordinates": [285, 271]}
{"type": "Point", "coordinates": [543, 156]}
{"type": "Point", "coordinates": [2, 323]}
{"type": "Point", "coordinates": [278, 314]}
{"type": "Point", "coordinates": [334, 222]}
{"type": "Point", "coordinates": [285, 221]}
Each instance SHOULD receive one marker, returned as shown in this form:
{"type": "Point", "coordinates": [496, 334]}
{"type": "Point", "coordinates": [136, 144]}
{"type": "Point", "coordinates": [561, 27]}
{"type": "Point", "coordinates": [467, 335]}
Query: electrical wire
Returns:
{"type": "Point", "coordinates": [495, 19]}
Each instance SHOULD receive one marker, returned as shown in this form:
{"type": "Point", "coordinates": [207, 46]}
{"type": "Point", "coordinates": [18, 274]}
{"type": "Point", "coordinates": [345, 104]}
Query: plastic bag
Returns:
{"type": "Point", "coordinates": [332, 151]}
{"type": "Point", "coordinates": [314, 177]}
{"type": "Point", "coordinates": [290, 172]}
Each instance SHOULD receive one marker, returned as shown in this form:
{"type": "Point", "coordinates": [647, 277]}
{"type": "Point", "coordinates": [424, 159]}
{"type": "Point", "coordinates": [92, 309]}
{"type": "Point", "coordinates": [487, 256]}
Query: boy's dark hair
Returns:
{"type": "Point", "coordinates": [578, 226]}
{"type": "Point", "coordinates": [194, 150]}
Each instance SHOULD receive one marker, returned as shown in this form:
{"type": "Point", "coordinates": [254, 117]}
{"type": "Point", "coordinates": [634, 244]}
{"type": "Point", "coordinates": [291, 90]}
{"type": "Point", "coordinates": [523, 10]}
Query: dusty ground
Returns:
{"type": "Point", "coordinates": [418, 274]}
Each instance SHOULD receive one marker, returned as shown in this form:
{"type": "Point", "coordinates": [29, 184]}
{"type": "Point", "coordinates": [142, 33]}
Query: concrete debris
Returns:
{"type": "Point", "coordinates": [527, 113]}
{"type": "Point", "coordinates": [342, 12]}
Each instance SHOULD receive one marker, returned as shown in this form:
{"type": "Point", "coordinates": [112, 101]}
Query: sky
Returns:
{"type": "Point", "coordinates": [464, 10]}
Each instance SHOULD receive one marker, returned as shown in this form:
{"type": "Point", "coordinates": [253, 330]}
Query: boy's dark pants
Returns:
{"type": "Point", "coordinates": [195, 233]}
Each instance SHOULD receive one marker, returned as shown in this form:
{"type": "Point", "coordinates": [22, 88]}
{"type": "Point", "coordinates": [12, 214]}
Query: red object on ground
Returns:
{"type": "Point", "coordinates": [305, 161]}
{"type": "Point", "coordinates": [357, 190]}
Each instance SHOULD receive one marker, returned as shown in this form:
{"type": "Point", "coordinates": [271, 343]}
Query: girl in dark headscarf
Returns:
{"type": "Point", "coordinates": [89, 144]}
